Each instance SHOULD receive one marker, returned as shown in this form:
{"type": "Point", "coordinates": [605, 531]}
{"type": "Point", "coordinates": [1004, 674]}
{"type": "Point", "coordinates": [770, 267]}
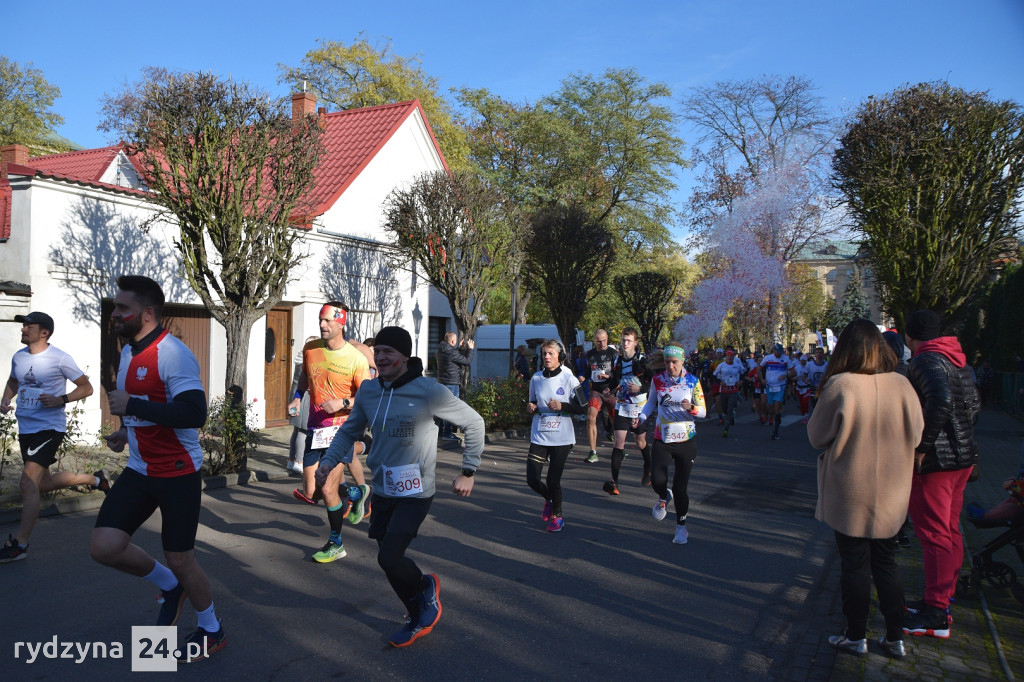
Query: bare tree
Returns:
{"type": "Point", "coordinates": [229, 167]}
{"type": "Point", "coordinates": [445, 224]}
{"type": "Point", "coordinates": [768, 141]}
{"type": "Point", "coordinates": [569, 256]}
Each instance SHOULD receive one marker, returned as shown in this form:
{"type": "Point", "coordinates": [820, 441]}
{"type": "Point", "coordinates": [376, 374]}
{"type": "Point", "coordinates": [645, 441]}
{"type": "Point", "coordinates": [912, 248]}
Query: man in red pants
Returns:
{"type": "Point", "coordinates": [945, 455]}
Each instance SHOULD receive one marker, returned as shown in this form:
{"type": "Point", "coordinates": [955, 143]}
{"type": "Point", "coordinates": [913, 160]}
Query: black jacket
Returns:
{"type": "Point", "coordinates": [448, 360]}
{"type": "Point", "coordinates": [950, 402]}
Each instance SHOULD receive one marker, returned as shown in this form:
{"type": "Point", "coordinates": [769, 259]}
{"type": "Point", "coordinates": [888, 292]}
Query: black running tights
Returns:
{"type": "Point", "coordinates": [683, 455]}
{"type": "Point", "coordinates": [555, 456]}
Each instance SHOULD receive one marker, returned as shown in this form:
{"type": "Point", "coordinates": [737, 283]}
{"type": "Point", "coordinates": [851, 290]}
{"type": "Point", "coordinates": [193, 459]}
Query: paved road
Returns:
{"type": "Point", "coordinates": [609, 597]}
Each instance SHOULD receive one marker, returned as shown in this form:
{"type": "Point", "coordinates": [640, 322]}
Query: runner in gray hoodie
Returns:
{"type": "Point", "coordinates": [399, 407]}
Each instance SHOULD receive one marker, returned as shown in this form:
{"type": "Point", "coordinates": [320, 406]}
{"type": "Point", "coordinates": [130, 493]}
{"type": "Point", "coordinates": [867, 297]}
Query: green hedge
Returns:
{"type": "Point", "coordinates": [501, 402]}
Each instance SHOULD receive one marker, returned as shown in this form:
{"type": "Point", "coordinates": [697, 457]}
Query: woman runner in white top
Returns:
{"type": "Point", "coordinates": [552, 402]}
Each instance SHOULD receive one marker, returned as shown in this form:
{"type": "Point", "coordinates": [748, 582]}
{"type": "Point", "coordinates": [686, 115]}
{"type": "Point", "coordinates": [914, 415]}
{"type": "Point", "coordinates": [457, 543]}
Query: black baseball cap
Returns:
{"type": "Point", "coordinates": [42, 319]}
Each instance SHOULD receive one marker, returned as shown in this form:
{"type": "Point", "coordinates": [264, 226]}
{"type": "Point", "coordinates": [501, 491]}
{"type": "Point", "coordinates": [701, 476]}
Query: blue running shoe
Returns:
{"type": "Point", "coordinates": [171, 603]}
{"type": "Point", "coordinates": [430, 603]}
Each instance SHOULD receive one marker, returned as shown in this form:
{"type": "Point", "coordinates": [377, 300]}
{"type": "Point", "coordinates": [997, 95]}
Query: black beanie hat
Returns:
{"type": "Point", "coordinates": [895, 342]}
{"type": "Point", "coordinates": [397, 338]}
{"type": "Point", "coordinates": [924, 325]}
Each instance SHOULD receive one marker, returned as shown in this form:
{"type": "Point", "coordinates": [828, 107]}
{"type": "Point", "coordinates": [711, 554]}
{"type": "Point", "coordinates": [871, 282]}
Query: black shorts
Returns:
{"type": "Point", "coordinates": [40, 447]}
{"type": "Point", "coordinates": [401, 515]}
{"type": "Point", "coordinates": [134, 497]}
{"type": "Point", "coordinates": [626, 424]}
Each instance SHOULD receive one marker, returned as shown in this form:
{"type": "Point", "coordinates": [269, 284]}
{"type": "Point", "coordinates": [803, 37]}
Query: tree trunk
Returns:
{"type": "Point", "coordinates": [237, 329]}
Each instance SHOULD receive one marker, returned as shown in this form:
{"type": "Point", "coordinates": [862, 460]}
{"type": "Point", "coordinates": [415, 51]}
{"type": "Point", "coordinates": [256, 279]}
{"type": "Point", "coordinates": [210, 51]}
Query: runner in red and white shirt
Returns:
{"type": "Point", "coordinates": [161, 401]}
{"type": "Point", "coordinates": [729, 374]}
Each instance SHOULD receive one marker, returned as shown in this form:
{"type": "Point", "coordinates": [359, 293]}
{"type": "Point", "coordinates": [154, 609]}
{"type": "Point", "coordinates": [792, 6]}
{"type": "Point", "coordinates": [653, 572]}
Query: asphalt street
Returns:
{"type": "Point", "coordinates": [608, 597]}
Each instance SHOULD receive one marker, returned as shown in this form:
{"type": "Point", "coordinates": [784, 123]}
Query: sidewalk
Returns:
{"type": "Point", "coordinates": [971, 652]}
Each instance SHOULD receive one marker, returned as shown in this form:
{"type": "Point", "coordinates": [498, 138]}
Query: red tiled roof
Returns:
{"type": "Point", "coordinates": [351, 139]}
{"type": "Point", "coordinates": [32, 171]}
{"type": "Point", "coordinates": [88, 165]}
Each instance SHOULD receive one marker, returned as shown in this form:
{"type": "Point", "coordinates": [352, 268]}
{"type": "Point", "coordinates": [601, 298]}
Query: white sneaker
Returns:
{"type": "Point", "coordinates": [659, 510]}
{"type": "Point", "coordinates": [296, 467]}
{"type": "Point", "coordinates": [682, 535]}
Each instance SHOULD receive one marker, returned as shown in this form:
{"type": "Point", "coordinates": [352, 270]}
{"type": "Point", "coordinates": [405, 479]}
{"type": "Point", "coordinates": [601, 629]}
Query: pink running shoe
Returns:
{"type": "Point", "coordinates": [546, 514]}
{"type": "Point", "coordinates": [556, 524]}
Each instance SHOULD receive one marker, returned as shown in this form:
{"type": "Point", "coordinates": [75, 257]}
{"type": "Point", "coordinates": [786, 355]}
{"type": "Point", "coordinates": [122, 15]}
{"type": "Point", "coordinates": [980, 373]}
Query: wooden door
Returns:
{"type": "Point", "coordinates": [277, 371]}
{"type": "Point", "coordinates": [190, 324]}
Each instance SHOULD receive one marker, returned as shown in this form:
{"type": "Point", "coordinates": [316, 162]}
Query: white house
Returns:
{"type": "Point", "coordinates": [71, 223]}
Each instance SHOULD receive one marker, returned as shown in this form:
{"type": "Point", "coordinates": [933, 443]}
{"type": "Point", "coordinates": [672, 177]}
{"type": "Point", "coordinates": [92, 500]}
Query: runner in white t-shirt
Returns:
{"type": "Point", "coordinates": [554, 398]}
{"type": "Point", "coordinates": [776, 368]}
{"type": "Point", "coordinates": [729, 373]}
{"type": "Point", "coordinates": [39, 376]}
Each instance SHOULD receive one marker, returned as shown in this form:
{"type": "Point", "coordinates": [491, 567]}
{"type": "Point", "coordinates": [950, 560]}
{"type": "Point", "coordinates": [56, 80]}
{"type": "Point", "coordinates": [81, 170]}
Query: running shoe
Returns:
{"type": "Point", "coordinates": [546, 514]}
{"type": "Point", "coordinates": [171, 603]}
{"type": "Point", "coordinates": [593, 457]}
{"type": "Point", "coordinates": [556, 524]}
{"type": "Point", "coordinates": [368, 507]}
{"type": "Point", "coordinates": [763, 420]}
{"type": "Point", "coordinates": [430, 603]}
{"type": "Point", "coordinates": [659, 512]}
{"type": "Point", "coordinates": [12, 551]}
{"type": "Point", "coordinates": [893, 649]}
{"type": "Point", "coordinates": [201, 644]}
{"type": "Point", "coordinates": [358, 510]}
{"type": "Point", "coordinates": [104, 484]}
{"type": "Point", "coordinates": [805, 419]}
{"type": "Point", "coordinates": [853, 646]}
{"type": "Point", "coordinates": [611, 488]}
{"type": "Point", "coordinates": [776, 436]}
{"type": "Point", "coordinates": [295, 467]}
{"type": "Point", "coordinates": [301, 496]}
{"type": "Point", "coordinates": [330, 552]}
{"type": "Point", "coordinates": [409, 633]}
{"type": "Point", "coordinates": [682, 535]}
{"type": "Point", "coordinates": [725, 433]}
{"type": "Point", "coordinates": [930, 621]}
{"type": "Point", "coordinates": [918, 605]}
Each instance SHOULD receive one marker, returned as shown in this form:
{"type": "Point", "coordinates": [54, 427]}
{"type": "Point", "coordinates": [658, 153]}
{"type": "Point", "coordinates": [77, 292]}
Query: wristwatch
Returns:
{"type": "Point", "coordinates": [468, 473]}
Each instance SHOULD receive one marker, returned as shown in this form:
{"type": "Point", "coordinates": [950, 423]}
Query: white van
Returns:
{"type": "Point", "coordinates": [490, 358]}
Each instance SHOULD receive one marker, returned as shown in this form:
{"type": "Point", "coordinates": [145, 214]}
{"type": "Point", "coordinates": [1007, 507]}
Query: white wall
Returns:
{"type": "Point", "coordinates": [69, 243]}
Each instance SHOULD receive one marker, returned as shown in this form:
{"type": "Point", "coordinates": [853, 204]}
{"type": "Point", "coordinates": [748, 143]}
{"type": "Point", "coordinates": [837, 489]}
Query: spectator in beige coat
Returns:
{"type": "Point", "coordinates": [868, 419]}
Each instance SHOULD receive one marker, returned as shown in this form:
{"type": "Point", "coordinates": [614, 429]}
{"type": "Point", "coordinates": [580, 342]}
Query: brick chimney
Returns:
{"type": "Point", "coordinates": [303, 104]}
{"type": "Point", "coordinates": [12, 153]}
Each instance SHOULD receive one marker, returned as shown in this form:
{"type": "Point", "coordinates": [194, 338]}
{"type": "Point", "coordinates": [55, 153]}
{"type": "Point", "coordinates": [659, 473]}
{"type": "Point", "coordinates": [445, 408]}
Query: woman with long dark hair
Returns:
{"type": "Point", "coordinates": [868, 419]}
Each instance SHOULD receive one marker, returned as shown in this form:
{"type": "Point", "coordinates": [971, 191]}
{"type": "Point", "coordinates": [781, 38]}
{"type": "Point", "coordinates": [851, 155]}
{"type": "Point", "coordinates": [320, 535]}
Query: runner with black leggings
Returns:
{"type": "Point", "coordinates": [679, 400]}
{"type": "Point", "coordinates": [553, 401]}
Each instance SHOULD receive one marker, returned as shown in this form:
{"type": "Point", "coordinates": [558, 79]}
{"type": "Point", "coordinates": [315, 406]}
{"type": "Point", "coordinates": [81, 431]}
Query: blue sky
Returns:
{"type": "Point", "coordinates": [522, 51]}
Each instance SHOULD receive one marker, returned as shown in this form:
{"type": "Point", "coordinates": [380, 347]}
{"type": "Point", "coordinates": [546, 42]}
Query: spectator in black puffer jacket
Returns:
{"type": "Point", "coordinates": [451, 358]}
{"type": "Point", "coordinates": [945, 455]}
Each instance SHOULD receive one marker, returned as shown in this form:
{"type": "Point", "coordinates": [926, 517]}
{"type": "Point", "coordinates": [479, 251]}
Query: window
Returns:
{"type": "Point", "coordinates": [436, 328]}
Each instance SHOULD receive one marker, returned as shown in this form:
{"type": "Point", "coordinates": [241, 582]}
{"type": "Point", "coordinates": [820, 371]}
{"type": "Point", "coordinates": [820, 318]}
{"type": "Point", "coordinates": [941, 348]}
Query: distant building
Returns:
{"type": "Point", "coordinates": [832, 262]}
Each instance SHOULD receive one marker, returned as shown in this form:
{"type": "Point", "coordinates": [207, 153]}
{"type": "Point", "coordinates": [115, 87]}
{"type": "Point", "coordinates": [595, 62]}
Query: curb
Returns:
{"type": "Point", "coordinates": [89, 502]}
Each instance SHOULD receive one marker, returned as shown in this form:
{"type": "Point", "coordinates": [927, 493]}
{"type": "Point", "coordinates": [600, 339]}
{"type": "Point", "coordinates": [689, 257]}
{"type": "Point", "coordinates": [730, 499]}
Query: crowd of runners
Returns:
{"type": "Point", "coordinates": [353, 401]}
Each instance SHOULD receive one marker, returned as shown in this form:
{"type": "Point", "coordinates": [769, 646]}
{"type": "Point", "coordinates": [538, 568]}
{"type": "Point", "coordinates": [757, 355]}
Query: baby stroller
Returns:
{"type": "Point", "coordinates": [984, 567]}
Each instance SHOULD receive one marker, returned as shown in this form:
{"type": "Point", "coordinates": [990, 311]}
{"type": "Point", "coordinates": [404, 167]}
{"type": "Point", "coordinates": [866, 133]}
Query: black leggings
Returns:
{"type": "Point", "coordinates": [683, 454]}
{"type": "Point", "coordinates": [555, 455]}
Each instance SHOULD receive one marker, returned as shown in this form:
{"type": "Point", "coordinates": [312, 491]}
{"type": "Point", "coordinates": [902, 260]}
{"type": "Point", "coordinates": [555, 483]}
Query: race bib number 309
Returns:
{"type": "Point", "coordinates": [403, 481]}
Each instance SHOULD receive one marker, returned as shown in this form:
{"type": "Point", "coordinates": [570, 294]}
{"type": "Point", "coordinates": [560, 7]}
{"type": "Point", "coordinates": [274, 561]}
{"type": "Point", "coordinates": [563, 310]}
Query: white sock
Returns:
{"type": "Point", "coordinates": [162, 577]}
{"type": "Point", "coordinates": [208, 619]}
